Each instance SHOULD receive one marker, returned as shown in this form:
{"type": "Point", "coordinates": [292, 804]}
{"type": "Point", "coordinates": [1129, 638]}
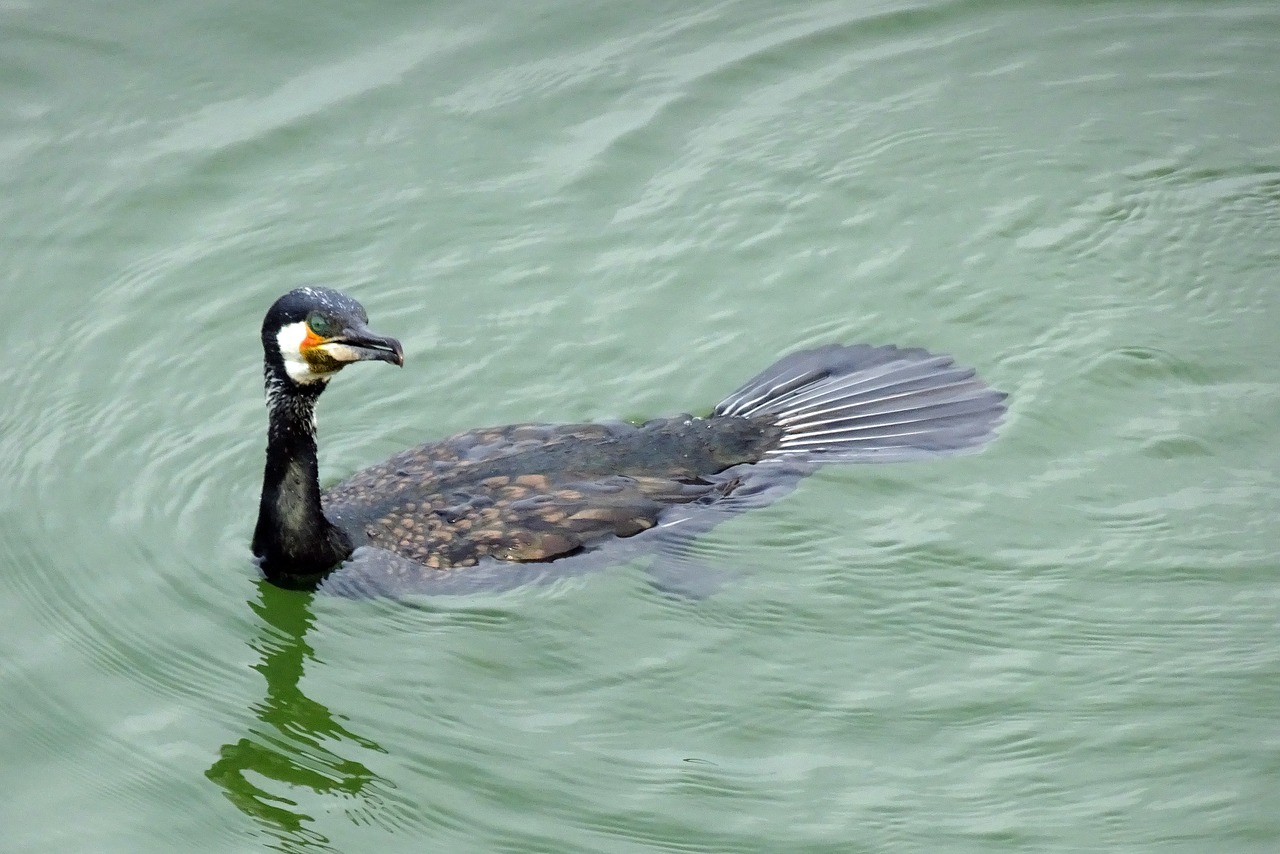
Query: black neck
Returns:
{"type": "Point", "coordinates": [297, 545]}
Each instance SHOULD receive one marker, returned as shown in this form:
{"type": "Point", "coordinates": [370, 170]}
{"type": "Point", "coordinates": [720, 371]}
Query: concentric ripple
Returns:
{"type": "Point", "coordinates": [577, 211]}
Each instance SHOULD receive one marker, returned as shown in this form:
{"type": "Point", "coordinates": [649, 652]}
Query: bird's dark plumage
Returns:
{"type": "Point", "coordinates": [536, 493]}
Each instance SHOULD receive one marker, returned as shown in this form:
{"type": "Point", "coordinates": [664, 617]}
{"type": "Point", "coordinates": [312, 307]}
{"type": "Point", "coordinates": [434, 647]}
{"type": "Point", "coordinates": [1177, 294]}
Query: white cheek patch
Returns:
{"type": "Point", "coordinates": [290, 338]}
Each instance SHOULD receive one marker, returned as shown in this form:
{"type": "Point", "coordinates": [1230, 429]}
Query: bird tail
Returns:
{"type": "Point", "coordinates": [870, 404]}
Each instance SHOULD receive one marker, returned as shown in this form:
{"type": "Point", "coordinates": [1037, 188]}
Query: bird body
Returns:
{"type": "Point", "coordinates": [537, 493]}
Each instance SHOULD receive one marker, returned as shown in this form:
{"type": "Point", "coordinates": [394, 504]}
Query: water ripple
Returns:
{"type": "Point", "coordinates": [572, 213]}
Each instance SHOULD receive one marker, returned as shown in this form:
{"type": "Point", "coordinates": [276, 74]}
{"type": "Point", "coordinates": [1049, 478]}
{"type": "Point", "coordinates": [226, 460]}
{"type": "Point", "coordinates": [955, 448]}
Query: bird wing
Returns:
{"type": "Point", "coordinates": [524, 517]}
{"type": "Point", "coordinates": [484, 494]}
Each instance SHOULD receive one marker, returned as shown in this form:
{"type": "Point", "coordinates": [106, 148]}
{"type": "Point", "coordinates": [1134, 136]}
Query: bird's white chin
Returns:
{"type": "Point", "coordinates": [290, 338]}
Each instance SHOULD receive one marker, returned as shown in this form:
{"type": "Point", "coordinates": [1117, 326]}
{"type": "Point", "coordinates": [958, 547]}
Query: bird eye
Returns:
{"type": "Point", "coordinates": [319, 324]}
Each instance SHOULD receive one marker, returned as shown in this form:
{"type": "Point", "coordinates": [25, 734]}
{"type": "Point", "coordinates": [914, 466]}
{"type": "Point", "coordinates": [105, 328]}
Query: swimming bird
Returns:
{"type": "Point", "coordinates": [497, 499]}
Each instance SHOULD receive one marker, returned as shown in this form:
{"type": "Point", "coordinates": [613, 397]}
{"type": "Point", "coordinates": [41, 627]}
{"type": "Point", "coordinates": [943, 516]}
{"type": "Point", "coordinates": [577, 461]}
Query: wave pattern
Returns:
{"type": "Point", "coordinates": [573, 212]}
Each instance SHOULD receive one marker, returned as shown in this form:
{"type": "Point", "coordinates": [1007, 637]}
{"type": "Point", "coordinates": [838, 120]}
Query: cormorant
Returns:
{"type": "Point", "coordinates": [496, 500]}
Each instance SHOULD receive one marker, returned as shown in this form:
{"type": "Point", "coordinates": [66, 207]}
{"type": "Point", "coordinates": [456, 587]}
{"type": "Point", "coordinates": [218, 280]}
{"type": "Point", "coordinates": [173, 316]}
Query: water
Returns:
{"type": "Point", "coordinates": [578, 211]}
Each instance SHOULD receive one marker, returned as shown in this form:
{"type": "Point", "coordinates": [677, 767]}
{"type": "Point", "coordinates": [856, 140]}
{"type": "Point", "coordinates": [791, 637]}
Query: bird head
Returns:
{"type": "Point", "coordinates": [311, 333]}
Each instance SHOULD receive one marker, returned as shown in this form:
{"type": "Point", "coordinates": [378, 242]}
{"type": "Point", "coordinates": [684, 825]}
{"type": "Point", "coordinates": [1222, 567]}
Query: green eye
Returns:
{"type": "Point", "coordinates": [320, 324]}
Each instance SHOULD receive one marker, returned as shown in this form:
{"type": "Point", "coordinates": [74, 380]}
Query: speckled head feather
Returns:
{"type": "Point", "coordinates": [299, 302]}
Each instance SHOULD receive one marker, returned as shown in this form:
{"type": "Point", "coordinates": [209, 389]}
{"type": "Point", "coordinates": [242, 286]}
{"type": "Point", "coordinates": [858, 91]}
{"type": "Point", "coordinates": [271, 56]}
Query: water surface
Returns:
{"type": "Point", "coordinates": [584, 211]}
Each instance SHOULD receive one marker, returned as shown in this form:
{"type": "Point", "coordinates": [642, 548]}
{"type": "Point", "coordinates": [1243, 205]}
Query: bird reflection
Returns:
{"type": "Point", "coordinates": [293, 739]}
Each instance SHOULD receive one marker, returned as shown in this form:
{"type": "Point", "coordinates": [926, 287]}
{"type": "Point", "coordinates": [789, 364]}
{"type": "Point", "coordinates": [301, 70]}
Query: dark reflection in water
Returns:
{"type": "Point", "coordinates": [293, 740]}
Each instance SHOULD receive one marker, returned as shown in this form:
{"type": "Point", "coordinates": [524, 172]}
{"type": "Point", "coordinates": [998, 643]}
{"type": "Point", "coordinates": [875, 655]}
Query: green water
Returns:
{"type": "Point", "coordinates": [575, 211]}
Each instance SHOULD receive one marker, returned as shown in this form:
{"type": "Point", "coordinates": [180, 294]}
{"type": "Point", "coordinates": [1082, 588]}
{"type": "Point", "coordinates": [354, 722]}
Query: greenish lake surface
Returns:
{"type": "Point", "coordinates": [574, 211]}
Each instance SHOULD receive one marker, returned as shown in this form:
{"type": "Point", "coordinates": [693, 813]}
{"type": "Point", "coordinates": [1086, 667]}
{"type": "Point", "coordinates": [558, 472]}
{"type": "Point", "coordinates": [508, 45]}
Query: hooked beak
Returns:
{"type": "Point", "coordinates": [359, 344]}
